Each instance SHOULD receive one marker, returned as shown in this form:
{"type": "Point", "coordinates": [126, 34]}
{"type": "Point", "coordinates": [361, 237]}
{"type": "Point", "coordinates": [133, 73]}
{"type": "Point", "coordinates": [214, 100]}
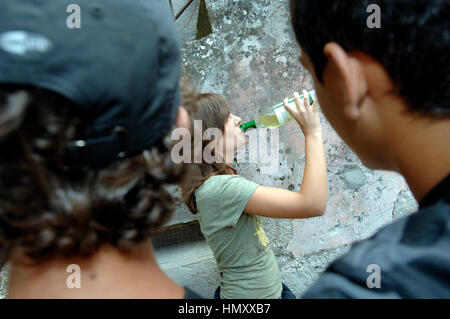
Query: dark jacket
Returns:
{"type": "Point", "coordinates": [409, 258]}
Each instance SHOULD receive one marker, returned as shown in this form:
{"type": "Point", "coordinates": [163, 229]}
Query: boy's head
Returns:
{"type": "Point", "coordinates": [85, 121]}
{"type": "Point", "coordinates": [372, 83]}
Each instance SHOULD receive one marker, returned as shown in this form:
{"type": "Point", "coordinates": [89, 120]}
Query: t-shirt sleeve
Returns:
{"type": "Point", "coordinates": [224, 197]}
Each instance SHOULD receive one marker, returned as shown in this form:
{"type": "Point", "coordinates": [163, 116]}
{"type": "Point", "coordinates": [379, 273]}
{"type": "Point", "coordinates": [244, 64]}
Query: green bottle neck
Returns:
{"type": "Point", "coordinates": [248, 125]}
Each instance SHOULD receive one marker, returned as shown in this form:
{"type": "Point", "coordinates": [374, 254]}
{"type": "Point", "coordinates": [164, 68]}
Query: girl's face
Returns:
{"type": "Point", "coordinates": [233, 137]}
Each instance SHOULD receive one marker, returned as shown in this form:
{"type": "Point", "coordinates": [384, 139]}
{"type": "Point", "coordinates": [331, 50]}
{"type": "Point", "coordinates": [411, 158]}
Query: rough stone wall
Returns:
{"type": "Point", "coordinates": [3, 282]}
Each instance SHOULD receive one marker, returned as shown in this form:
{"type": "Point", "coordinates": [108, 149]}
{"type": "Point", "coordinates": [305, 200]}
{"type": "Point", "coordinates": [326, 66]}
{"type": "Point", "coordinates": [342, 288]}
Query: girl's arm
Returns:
{"type": "Point", "coordinates": [312, 199]}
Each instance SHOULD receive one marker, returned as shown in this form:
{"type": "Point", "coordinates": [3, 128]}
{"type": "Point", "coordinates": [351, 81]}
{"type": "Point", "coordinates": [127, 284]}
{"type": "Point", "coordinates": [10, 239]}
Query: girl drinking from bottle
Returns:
{"type": "Point", "coordinates": [230, 207]}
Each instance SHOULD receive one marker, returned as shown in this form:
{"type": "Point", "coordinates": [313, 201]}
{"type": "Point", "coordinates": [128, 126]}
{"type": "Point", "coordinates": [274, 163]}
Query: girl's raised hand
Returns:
{"type": "Point", "coordinates": [306, 115]}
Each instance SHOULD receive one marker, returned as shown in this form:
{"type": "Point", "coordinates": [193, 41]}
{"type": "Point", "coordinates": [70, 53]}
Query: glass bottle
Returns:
{"type": "Point", "coordinates": [277, 115]}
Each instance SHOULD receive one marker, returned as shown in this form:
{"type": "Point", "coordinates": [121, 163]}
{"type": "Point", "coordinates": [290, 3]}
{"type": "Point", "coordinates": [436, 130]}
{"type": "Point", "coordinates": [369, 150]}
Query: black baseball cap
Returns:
{"type": "Point", "coordinates": [117, 60]}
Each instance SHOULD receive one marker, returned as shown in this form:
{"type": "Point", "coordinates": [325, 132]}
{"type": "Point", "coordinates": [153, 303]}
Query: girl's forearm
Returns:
{"type": "Point", "coordinates": [315, 183]}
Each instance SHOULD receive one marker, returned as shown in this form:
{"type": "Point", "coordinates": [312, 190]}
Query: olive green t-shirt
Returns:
{"type": "Point", "coordinates": [247, 265]}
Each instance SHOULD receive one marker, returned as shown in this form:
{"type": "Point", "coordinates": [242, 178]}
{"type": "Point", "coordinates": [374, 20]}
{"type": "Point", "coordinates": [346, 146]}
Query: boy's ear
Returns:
{"type": "Point", "coordinates": [346, 72]}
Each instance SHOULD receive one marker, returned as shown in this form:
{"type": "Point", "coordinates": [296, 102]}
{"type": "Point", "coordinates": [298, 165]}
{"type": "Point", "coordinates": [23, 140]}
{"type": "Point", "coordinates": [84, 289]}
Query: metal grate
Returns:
{"type": "Point", "coordinates": [178, 235]}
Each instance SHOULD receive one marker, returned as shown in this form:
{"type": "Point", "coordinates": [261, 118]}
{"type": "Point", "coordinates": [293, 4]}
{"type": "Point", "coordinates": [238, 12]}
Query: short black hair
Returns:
{"type": "Point", "coordinates": [412, 43]}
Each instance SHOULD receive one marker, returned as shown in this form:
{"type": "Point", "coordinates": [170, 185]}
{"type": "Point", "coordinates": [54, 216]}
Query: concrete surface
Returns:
{"type": "Point", "coordinates": [252, 60]}
{"type": "Point", "coordinates": [3, 282]}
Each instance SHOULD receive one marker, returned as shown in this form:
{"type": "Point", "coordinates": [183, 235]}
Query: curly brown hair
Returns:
{"type": "Point", "coordinates": [48, 212]}
{"type": "Point", "coordinates": [213, 111]}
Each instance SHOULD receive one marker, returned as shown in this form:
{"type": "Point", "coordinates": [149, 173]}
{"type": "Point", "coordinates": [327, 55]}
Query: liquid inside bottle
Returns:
{"type": "Point", "coordinates": [276, 115]}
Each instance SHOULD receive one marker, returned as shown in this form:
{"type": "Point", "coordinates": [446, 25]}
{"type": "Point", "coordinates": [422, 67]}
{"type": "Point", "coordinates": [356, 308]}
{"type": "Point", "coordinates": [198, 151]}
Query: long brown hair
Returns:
{"type": "Point", "coordinates": [213, 111]}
